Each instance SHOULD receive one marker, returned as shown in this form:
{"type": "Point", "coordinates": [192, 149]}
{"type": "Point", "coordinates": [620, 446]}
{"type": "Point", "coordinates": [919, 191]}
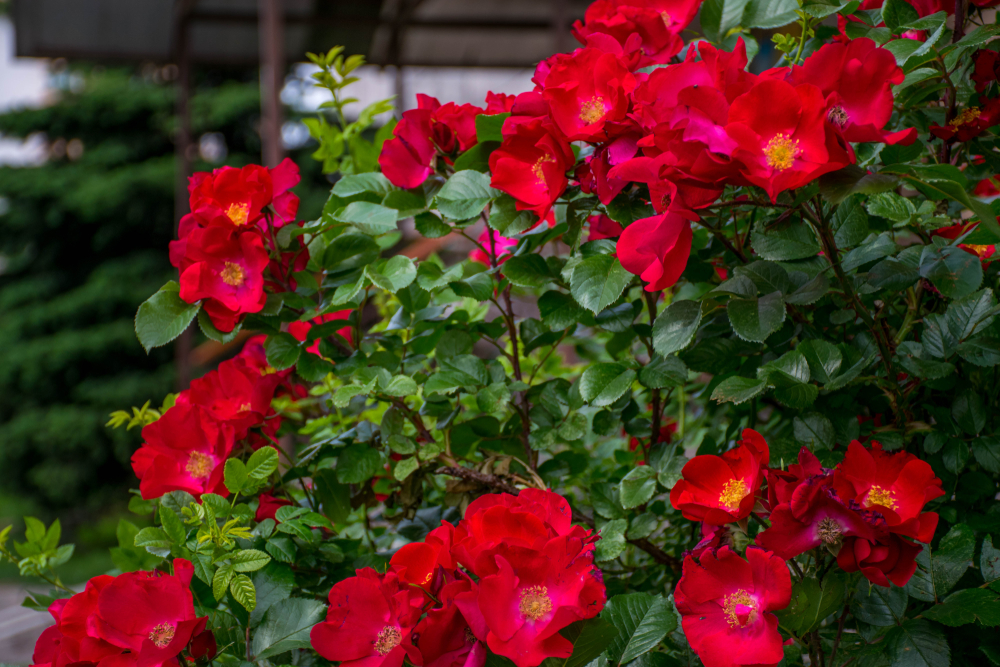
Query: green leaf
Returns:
{"type": "Point", "coordinates": [281, 549]}
{"type": "Point", "coordinates": [559, 311]}
{"type": "Point", "coordinates": [163, 317]}
{"type": "Point", "coordinates": [208, 328]}
{"type": "Point", "coordinates": [593, 636]}
{"type": "Point", "coordinates": [493, 398]}
{"type": "Point", "coordinates": [642, 621]}
{"type": "Point", "coordinates": [989, 560]}
{"type": "Point", "coordinates": [898, 13]}
{"type": "Point", "coordinates": [527, 271]}
{"type": "Point", "coordinates": [604, 383]}
{"type": "Point", "coordinates": [787, 242]}
{"type": "Point", "coordinates": [478, 286]}
{"type": "Point", "coordinates": [152, 537]}
{"type": "Point", "coordinates": [400, 385]}
{"type": "Point", "coordinates": [824, 359]}
{"type": "Point", "coordinates": [465, 194]}
{"type": "Point", "coordinates": [489, 126]}
{"type": "Point", "coordinates": [849, 223]}
{"type": "Point", "coordinates": [663, 373]}
{"type": "Point", "coordinates": [755, 319]}
{"type": "Point", "coordinates": [235, 475]}
{"type": "Point", "coordinates": [334, 496]}
{"type": "Point", "coordinates": [243, 591]}
{"type": "Point", "coordinates": [262, 464]}
{"type": "Point", "coordinates": [953, 271]}
{"type": "Point", "coordinates": [612, 541]}
{"type": "Point", "coordinates": [637, 487]}
{"type": "Point", "coordinates": [356, 184]}
{"type": "Point", "coordinates": [841, 184]}
{"type": "Point", "coordinates": [369, 218]}
{"type": "Point", "coordinates": [357, 463]}
{"type": "Point", "coordinates": [350, 251]}
{"type": "Point", "coordinates": [397, 273]}
{"type": "Point", "coordinates": [879, 606]}
{"type": "Point", "coordinates": [286, 626]}
{"type": "Point", "coordinates": [811, 603]}
{"type": "Point", "coordinates": [980, 351]}
{"type": "Point", "coordinates": [668, 461]}
{"type": "Point", "coordinates": [969, 412]}
{"type": "Point", "coordinates": [967, 606]}
{"type": "Point", "coordinates": [718, 17]}
{"type": "Point", "coordinates": [769, 13]}
{"type": "Point", "coordinates": [220, 582]}
{"type": "Point", "coordinates": [249, 560]}
{"type": "Point", "coordinates": [971, 314]}
{"type": "Point", "coordinates": [738, 390]}
{"type": "Point", "coordinates": [676, 327]}
{"type": "Point", "coordinates": [891, 206]}
{"type": "Point", "coordinates": [173, 526]}
{"type": "Point", "coordinates": [952, 558]}
{"type": "Point", "coordinates": [506, 219]}
{"type": "Point", "coordinates": [598, 281]}
{"type": "Point", "coordinates": [282, 351]}
{"type": "Point", "coordinates": [430, 226]}
{"type": "Point", "coordinates": [405, 467]}
{"type": "Point", "coordinates": [814, 430]}
{"type": "Point", "coordinates": [987, 453]}
{"type": "Point", "coordinates": [273, 584]}
{"type": "Point", "coordinates": [917, 643]}
{"type": "Point", "coordinates": [604, 498]}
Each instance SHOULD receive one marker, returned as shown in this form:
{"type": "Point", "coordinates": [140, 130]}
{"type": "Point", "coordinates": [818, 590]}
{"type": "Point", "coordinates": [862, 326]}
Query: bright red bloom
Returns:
{"type": "Point", "coordinates": [421, 134]}
{"type": "Point", "coordinates": [782, 136]}
{"type": "Point", "coordinates": [269, 506]}
{"type": "Point", "coordinates": [656, 249]}
{"type": "Point", "coordinates": [232, 197]}
{"type": "Point", "coordinates": [891, 558]}
{"type": "Point", "coordinates": [447, 639]}
{"type": "Point", "coordinates": [984, 252]}
{"type": "Point", "coordinates": [603, 227]}
{"type": "Point", "coordinates": [722, 489]}
{"type": "Point", "coordinates": [417, 562]}
{"type": "Point", "coordinates": [987, 69]}
{"type": "Point", "coordinates": [585, 90]}
{"type": "Point", "coordinates": [184, 450]}
{"type": "Point", "coordinates": [370, 622]}
{"type": "Point", "coordinates": [149, 613]}
{"type": "Point", "coordinates": [499, 102]}
{"type": "Point", "coordinates": [726, 603]}
{"type": "Point", "coordinates": [203, 646]}
{"type": "Point", "coordinates": [300, 330]}
{"type": "Point", "coordinates": [594, 174]}
{"type": "Point", "coordinates": [712, 538]}
{"type": "Point", "coordinates": [856, 78]}
{"type": "Point", "coordinates": [235, 394]}
{"type": "Point", "coordinates": [897, 485]}
{"type": "Point", "coordinates": [225, 268]}
{"type": "Point", "coordinates": [536, 593]}
{"type": "Point", "coordinates": [970, 122]}
{"type": "Point", "coordinates": [781, 484]}
{"type": "Point", "coordinates": [531, 165]}
{"type": "Point", "coordinates": [501, 245]}
{"type": "Point", "coordinates": [657, 24]}
{"type": "Point", "coordinates": [69, 641]}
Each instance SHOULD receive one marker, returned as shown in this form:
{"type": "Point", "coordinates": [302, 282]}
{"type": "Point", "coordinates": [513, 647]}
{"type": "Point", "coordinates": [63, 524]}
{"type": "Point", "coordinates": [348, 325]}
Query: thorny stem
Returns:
{"type": "Point", "coordinates": [840, 632]}
{"type": "Point", "coordinates": [655, 437]}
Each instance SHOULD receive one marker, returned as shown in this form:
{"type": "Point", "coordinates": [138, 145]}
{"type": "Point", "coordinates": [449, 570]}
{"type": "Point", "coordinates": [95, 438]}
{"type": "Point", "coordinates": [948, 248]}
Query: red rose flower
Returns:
{"type": "Point", "coordinates": [984, 252]}
{"type": "Point", "coordinates": [970, 122]}
{"type": "Point", "coordinates": [891, 558]}
{"type": "Point", "coordinates": [783, 139]}
{"type": "Point", "coordinates": [446, 638]}
{"type": "Point", "coordinates": [370, 622]}
{"type": "Point", "coordinates": [987, 69]}
{"type": "Point", "coordinates": [68, 641]}
{"type": "Point", "coordinates": [501, 245]}
{"type": "Point", "coordinates": [417, 562]}
{"type": "Point", "coordinates": [269, 506]}
{"type": "Point", "coordinates": [856, 78]}
{"type": "Point", "coordinates": [895, 485]}
{"type": "Point", "coordinates": [184, 450]}
{"type": "Point", "coordinates": [226, 269]}
{"type": "Point", "coordinates": [712, 538]}
{"type": "Point", "coordinates": [657, 24]}
{"type": "Point", "coordinates": [534, 594]}
{"type": "Point", "coordinates": [726, 603]}
{"type": "Point", "coordinates": [722, 489]}
{"type": "Point", "coordinates": [656, 249]}
{"type": "Point", "coordinates": [236, 394]}
{"type": "Point", "coordinates": [531, 165]}
{"type": "Point", "coordinates": [233, 197]}
{"type": "Point", "coordinates": [499, 102]}
{"type": "Point", "coordinates": [594, 174]}
{"type": "Point", "coordinates": [603, 227]}
{"type": "Point", "coordinates": [149, 613]}
{"type": "Point", "coordinates": [203, 646]}
{"type": "Point", "coordinates": [585, 90]}
{"type": "Point", "coordinates": [300, 330]}
{"type": "Point", "coordinates": [781, 484]}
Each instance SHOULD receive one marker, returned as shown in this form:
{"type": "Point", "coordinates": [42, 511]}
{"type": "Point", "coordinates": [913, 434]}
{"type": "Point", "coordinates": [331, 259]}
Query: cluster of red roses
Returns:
{"type": "Point", "coordinates": [222, 251]}
{"type": "Point", "coordinates": [685, 129]}
{"type": "Point", "coordinates": [534, 575]}
{"type": "Point", "coordinates": [137, 619]}
{"type": "Point", "coordinates": [862, 511]}
{"type": "Point", "coordinates": [186, 449]}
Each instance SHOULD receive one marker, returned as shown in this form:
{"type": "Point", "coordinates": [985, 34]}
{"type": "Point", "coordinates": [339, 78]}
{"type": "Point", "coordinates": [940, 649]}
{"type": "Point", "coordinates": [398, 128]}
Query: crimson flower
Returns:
{"type": "Point", "coordinates": [499, 102]}
{"type": "Point", "coordinates": [235, 393]}
{"type": "Point", "coordinates": [225, 268]}
{"type": "Point", "coordinates": [889, 559]}
{"type": "Point", "coordinates": [269, 506]}
{"type": "Point", "coordinates": [417, 562]}
{"type": "Point", "coordinates": [656, 249]}
{"type": "Point", "coordinates": [184, 450]}
{"type": "Point", "coordinates": [500, 244]}
{"type": "Point", "coordinates": [897, 485]}
{"type": "Point", "coordinates": [370, 622]}
{"type": "Point", "coordinates": [232, 197]}
{"type": "Point", "coordinates": [726, 603]}
{"type": "Point", "coordinates": [656, 25]}
{"type": "Point", "coordinates": [781, 484]}
{"type": "Point", "coordinates": [446, 637]}
{"type": "Point", "coordinates": [69, 641]}
{"type": "Point", "coordinates": [984, 188]}
{"type": "Point", "coordinates": [986, 69]}
{"type": "Point", "coordinates": [856, 78]}
{"type": "Point", "coordinates": [722, 489]}
{"type": "Point", "coordinates": [149, 613]}
{"type": "Point", "coordinates": [782, 138]}
{"type": "Point", "coordinates": [586, 90]}
{"type": "Point", "coordinates": [603, 227]}
{"type": "Point", "coordinates": [970, 122]}
{"type": "Point", "coordinates": [530, 165]}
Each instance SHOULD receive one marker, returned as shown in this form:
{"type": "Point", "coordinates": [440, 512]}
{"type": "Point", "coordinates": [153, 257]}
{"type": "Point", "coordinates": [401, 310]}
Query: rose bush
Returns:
{"type": "Point", "coordinates": [717, 382]}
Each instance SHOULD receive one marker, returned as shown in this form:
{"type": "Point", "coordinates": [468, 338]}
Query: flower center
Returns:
{"type": "Point", "coordinates": [469, 637]}
{"type": "Point", "coordinates": [665, 17]}
{"type": "Point", "coordinates": [199, 466]}
{"type": "Point", "coordinates": [246, 407]}
{"type": "Point", "coordinates": [592, 110]}
{"type": "Point", "coordinates": [879, 496]}
{"type": "Point", "coordinates": [968, 115]}
{"type": "Point", "coordinates": [238, 213]}
{"type": "Point", "coordinates": [388, 639]}
{"type": "Point", "coordinates": [162, 635]}
{"type": "Point", "coordinates": [537, 168]}
{"type": "Point", "coordinates": [829, 531]}
{"type": "Point", "coordinates": [733, 494]}
{"type": "Point", "coordinates": [535, 603]}
{"type": "Point", "coordinates": [232, 274]}
{"type": "Point", "coordinates": [980, 250]}
{"type": "Point", "coordinates": [837, 116]}
{"type": "Point", "coordinates": [740, 609]}
{"type": "Point", "coordinates": [781, 151]}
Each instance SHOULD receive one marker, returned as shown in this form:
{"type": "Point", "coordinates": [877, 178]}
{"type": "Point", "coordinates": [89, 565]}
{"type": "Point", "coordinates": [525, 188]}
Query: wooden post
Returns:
{"type": "Point", "coordinates": [182, 169]}
{"type": "Point", "coordinates": [272, 76]}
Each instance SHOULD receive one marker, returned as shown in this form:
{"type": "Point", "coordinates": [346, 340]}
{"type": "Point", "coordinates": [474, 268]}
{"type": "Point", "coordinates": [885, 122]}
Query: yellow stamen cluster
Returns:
{"type": "Point", "coordinates": [199, 465]}
{"type": "Point", "coordinates": [388, 638]}
{"type": "Point", "coordinates": [232, 274]}
{"type": "Point", "coordinates": [733, 494]}
{"type": "Point", "coordinates": [238, 213]}
{"type": "Point", "coordinates": [879, 496]}
{"type": "Point", "coordinates": [729, 604]}
{"type": "Point", "coordinates": [967, 115]}
{"type": "Point", "coordinates": [162, 635]}
{"type": "Point", "coordinates": [780, 151]}
{"type": "Point", "coordinates": [592, 110]}
{"type": "Point", "coordinates": [536, 169]}
{"type": "Point", "coordinates": [535, 603]}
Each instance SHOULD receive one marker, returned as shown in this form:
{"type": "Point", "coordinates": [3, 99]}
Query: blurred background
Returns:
{"type": "Point", "coordinates": [106, 106]}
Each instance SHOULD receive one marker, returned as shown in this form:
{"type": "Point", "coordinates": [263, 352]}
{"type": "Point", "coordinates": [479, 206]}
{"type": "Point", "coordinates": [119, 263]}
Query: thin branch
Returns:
{"type": "Point", "coordinates": [483, 478]}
